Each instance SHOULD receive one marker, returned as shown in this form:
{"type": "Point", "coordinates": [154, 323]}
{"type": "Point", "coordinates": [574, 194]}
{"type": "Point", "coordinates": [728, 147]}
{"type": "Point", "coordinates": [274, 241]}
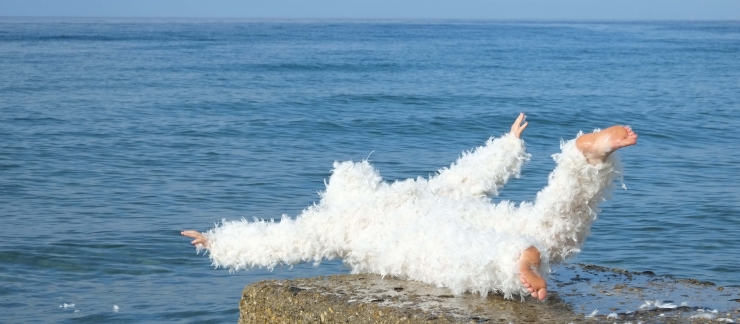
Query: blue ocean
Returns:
{"type": "Point", "coordinates": [116, 134]}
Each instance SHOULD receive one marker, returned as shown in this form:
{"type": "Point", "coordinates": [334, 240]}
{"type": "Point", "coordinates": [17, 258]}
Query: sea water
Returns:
{"type": "Point", "coordinates": [116, 134]}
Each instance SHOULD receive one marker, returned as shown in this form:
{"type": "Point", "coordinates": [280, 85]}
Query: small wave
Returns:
{"type": "Point", "coordinates": [321, 67]}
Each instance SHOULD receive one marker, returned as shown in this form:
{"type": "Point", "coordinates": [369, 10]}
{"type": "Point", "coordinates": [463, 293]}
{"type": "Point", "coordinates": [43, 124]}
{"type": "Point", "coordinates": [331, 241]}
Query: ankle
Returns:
{"type": "Point", "coordinates": [531, 257]}
{"type": "Point", "coordinates": [595, 159]}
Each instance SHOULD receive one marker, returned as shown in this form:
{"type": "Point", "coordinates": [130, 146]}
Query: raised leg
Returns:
{"type": "Point", "coordinates": [564, 210]}
{"type": "Point", "coordinates": [596, 147]}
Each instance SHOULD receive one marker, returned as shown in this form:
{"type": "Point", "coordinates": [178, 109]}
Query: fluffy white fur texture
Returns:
{"type": "Point", "coordinates": [443, 230]}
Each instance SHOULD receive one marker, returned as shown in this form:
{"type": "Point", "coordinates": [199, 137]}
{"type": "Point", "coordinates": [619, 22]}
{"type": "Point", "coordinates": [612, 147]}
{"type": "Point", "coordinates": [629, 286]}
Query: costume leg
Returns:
{"type": "Point", "coordinates": [564, 210]}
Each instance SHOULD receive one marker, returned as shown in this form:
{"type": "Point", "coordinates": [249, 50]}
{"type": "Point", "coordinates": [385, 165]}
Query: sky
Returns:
{"type": "Point", "coordinates": [384, 9]}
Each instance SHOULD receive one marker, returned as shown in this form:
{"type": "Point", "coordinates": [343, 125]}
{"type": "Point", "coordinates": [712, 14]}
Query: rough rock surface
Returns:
{"type": "Point", "coordinates": [576, 291]}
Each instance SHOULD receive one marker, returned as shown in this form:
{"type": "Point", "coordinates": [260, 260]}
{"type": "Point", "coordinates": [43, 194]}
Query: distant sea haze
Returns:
{"type": "Point", "coordinates": [117, 134]}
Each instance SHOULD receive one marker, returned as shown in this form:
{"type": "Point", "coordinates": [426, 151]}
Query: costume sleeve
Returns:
{"type": "Point", "coordinates": [241, 244]}
{"type": "Point", "coordinates": [318, 233]}
{"type": "Point", "coordinates": [484, 170]}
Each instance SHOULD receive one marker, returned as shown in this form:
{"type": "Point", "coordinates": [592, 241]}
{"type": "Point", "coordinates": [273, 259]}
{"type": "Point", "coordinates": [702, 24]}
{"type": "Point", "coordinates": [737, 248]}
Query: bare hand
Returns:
{"type": "Point", "coordinates": [518, 127]}
{"type": "Point", "coordinates": [199, 239]}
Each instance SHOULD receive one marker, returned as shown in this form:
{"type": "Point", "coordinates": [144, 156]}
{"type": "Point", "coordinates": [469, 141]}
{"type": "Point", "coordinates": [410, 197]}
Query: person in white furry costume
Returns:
{"type": "Point", "coordinates": [443, 230]}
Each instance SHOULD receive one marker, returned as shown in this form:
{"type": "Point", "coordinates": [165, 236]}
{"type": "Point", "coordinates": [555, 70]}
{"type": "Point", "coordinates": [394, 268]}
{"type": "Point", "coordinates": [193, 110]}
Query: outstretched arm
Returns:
{"type": "Point", "coordinates": [241, 244]}
{"type": "Point", "coordinates": [487, 168]}
{"type": "Point", "coordinates": [519, 125]}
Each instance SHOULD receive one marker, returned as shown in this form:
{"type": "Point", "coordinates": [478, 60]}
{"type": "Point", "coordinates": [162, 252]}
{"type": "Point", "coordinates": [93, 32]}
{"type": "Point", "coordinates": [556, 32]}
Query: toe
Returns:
{"type": "Point", "coordinates": [542, 294]}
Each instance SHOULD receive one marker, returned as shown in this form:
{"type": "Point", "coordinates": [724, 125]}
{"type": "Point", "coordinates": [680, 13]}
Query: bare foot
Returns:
{"type": "Point", "coordinates": [597, 146]}
{"type": "Point", "coordinates": [518, 127]}
{"type": "Point", "coordinates": [199, 239]}
{"type": "Point", "coordinates": [528, 262]}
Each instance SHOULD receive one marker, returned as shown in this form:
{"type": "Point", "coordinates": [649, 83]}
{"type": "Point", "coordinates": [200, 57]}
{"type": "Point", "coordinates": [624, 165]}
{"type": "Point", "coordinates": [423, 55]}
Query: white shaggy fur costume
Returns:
{"type": "Point", "coordinates": [443, 230]}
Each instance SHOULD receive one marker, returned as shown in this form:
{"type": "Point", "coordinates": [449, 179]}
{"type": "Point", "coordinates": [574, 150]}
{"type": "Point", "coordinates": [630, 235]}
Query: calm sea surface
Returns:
{"type": "Point", "coordinates": [117, 134]}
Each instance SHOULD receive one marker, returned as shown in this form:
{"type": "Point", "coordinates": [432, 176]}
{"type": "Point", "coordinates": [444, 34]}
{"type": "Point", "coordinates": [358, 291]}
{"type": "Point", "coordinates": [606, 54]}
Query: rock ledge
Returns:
{"type": "Point", "coordinates": [576, 291]}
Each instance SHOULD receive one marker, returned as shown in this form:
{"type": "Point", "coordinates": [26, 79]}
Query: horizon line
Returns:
{"type": "Point", "coordinates": [383, 19]}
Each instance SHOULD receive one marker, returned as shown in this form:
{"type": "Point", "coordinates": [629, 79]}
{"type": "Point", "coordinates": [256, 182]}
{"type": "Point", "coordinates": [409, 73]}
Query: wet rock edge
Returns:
{"type": "Point", "coordinates": [373, 299]}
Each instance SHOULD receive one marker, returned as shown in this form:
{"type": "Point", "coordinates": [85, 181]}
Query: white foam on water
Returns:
{"type": "Point", "coordinates": [702, 316]}
{"type": "Point", "coordinates": [660, 304]}
{"type": "Point", "coordinates": [596, 311]}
